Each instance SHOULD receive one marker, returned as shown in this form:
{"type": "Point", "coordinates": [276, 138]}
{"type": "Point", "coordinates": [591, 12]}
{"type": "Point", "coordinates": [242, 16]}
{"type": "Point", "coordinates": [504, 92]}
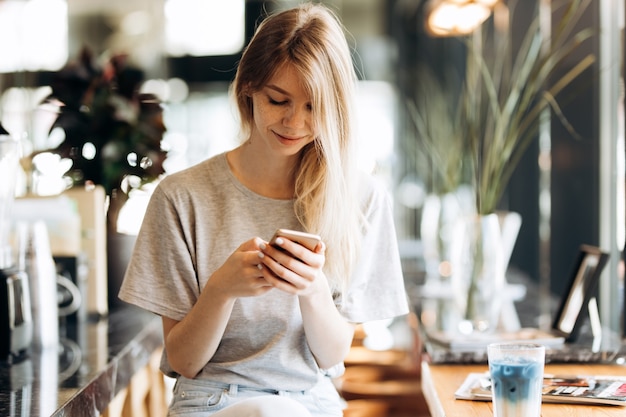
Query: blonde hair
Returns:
{"type": "Point", "coordinates": [311, 38]}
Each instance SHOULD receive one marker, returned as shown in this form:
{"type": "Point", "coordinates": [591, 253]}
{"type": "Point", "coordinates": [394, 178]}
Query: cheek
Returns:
{"type": "Point", "coordinates": [264, 114]}
{"type": "Point", "coordinates": [315, 132]}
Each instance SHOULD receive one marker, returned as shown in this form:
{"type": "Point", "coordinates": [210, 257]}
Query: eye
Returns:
{"type": "Point", "coordinates": [276, 102]}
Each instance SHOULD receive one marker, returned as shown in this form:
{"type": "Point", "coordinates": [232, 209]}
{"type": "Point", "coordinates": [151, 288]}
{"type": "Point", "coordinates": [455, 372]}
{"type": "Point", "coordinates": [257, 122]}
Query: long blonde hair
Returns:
{"type": "Point", "coordinates": [311, 38]}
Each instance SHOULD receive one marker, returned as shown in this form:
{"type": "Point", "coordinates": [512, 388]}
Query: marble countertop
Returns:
{"type": "Point", "coordinates": [95, 360]}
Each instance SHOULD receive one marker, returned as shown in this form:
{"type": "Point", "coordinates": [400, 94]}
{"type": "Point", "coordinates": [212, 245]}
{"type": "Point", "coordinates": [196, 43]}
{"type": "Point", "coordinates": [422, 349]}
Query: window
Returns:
{"type": "Point", "coordinates": [204, 27]}
{"type": "Point", "coordinates": [34, 35]}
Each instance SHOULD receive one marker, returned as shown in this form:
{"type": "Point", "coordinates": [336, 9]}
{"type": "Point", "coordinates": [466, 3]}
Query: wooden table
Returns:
{"type": "Point", "coordinates": [440, 381]}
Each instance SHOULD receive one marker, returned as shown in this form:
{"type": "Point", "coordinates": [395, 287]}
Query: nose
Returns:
{"type": "Point", "coordinates": [295, 117]}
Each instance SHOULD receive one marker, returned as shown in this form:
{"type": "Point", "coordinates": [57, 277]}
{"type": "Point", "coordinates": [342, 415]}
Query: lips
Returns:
{"type": "Point", "coordinates": [288, 138]}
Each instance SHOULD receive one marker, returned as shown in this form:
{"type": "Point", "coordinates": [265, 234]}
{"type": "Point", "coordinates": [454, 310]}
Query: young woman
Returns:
{"type": "Point", "coordinates": [251, 329]}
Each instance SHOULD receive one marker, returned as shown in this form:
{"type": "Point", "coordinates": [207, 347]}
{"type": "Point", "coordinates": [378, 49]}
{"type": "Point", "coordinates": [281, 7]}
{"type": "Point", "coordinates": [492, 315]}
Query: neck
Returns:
{"type": "Point", "coordinates": [265, 174]}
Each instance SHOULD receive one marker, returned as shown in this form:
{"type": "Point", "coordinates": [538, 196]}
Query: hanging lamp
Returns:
{"type": "Point", "coordinates": [456, 17]}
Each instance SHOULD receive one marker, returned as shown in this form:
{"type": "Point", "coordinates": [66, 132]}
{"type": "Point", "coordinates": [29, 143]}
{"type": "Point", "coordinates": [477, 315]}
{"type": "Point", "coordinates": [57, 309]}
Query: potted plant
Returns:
{"type": "Point", "coordinates": [111, 133]}
{"type": "Point", "coordinates": [497, 111]}
{"type": "Point", "coordinates": [501, 116]}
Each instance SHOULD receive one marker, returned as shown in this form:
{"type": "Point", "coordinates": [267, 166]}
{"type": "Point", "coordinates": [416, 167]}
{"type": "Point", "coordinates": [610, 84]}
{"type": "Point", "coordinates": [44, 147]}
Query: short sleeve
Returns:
{"type": "Point", "coordinates": [160, 276]}
{"type": "Point", "coordinates": [376, 289]}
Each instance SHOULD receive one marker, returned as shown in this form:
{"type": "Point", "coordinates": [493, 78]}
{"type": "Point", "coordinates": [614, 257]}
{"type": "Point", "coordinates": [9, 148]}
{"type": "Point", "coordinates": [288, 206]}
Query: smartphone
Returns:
{"type": "Point", "coordinates": [308, 240]}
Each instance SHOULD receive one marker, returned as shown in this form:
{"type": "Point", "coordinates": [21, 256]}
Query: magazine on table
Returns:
{"type": "Point", "coordinates": [566, 389]}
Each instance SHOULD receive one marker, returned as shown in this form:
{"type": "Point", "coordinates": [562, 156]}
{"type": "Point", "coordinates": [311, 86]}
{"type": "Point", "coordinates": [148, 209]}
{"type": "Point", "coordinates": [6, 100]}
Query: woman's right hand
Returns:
{"type": "Point", "coordinates": [192, 342]}
{"type": "Point", "coordinates": [240, 275]}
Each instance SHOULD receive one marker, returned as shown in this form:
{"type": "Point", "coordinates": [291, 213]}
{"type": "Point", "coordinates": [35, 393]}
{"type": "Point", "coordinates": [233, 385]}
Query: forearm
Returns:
{"type": "Point", "coordinates": [328, 334]}
{"type": "Point", "coordinates": [192, 342]}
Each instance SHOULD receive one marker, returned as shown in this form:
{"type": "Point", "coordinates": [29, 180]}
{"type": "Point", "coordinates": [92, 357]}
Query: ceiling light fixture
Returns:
{"type": "Point", "coordinates": [456, 17]}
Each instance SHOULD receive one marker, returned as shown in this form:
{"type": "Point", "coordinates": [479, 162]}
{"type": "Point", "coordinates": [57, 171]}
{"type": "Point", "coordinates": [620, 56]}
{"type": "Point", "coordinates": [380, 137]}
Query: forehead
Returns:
{"type": "Point", "coordinates": [289, 79]}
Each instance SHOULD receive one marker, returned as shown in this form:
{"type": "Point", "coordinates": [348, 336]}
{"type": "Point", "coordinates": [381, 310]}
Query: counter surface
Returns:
{"type": "Point", "coordinates": [95, 360]}
{"type": "Point", "coordinates": [439, 382]}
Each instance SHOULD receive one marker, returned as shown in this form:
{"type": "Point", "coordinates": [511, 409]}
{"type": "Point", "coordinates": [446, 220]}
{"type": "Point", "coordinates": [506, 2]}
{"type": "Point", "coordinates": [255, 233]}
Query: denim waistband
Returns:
{"type": "Point", "coordinates": [234, 388]}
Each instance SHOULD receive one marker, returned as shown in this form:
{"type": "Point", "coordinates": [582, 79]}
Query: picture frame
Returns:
{"type": "Point", "coordinates": [582, 288]}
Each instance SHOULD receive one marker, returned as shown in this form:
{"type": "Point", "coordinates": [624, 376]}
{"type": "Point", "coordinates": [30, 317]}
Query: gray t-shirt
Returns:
{"type": "Point", "coordinates": [196, 219]}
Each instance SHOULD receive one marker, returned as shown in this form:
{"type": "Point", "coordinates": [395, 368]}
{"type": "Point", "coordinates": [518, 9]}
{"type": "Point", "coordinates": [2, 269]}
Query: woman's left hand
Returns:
{"type": "Point", "coordinates": [296, 270]}
{"type": "Point", "coordinates": [292, 267]}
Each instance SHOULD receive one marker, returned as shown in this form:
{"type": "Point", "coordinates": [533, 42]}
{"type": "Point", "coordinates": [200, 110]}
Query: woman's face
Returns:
{"type": "Point", "coordinates": [282, 113]}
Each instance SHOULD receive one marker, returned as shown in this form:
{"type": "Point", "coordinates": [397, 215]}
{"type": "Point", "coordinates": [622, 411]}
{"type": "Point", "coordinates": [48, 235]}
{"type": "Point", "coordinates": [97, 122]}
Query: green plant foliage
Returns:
{"type": "Point", "coordinates": [112, 133]}
{"type": "Point", "coordinates": [441, 136]}
{"type": "Point", "coordinates": [501, 114]}
{"type": "Point", "coordinates": [486, 128]}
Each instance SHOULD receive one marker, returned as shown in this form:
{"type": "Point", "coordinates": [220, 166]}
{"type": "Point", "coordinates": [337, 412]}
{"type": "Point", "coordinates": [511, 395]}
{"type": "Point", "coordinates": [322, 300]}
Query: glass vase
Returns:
{"type": "Point", "coordinates": [441, 232]}
{"type": "Point", "coordinates": [479, 283]}
{"type": "Point", "coordinates": [439, 228]}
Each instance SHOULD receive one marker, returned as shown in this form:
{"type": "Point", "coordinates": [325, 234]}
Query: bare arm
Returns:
{"type": "Point", "coordinates": [328, 333]}
{"type": "Point", "coordinates": [192, 342]}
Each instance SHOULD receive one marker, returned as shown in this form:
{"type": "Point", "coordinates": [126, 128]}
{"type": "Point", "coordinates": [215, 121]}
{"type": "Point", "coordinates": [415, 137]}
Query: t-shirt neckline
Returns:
{"type": "Point", "coordinates": [241, 187]}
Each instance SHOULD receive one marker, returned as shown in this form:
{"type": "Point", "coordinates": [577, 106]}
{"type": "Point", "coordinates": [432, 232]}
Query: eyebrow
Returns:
{"type": "Point", "coordinates": [278, 89]}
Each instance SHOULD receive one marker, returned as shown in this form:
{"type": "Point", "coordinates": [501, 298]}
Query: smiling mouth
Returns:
{"type": "Point", "coordinates": [287, 137]}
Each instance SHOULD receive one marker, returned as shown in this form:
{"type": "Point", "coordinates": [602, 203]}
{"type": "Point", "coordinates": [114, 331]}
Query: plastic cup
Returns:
{"type": "Point", "coordinates": [516, 378]}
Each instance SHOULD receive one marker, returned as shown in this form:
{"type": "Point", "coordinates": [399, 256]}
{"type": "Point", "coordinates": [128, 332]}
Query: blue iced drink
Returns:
{"type": "Point", "coordinates": [516, 382]}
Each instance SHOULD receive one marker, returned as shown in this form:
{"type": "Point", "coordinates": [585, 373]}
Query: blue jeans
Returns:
{"type": "Point", "coordinates": [201, 398]}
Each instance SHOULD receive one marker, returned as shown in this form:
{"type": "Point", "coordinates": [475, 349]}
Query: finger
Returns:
{"type": "Point", "coordinates": [280, 283]}
{"type": "Point", "coordinates": [320, 248]}
{"type": "Point", "coordinates": [261, 282]}
{"type": "Point", "coordinates": [283, 254]}
{"type": "Point", "coordinates": [294, 249]}
{"type": "Point", "coordinates": [281, 275]}
{"type": "Point", "coordinates": [254, 266]}
{"type": "Point", "coordinates": [282, 264]}
{"type": "Point", "coordinates": [253, 244]}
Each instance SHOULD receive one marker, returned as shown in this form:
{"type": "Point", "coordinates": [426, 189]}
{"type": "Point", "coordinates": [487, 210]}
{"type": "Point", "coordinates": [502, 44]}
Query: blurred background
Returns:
{"type": "Point", "coordinates": [569, 190]}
